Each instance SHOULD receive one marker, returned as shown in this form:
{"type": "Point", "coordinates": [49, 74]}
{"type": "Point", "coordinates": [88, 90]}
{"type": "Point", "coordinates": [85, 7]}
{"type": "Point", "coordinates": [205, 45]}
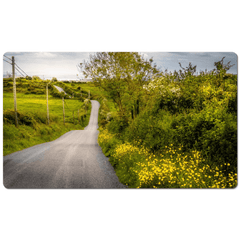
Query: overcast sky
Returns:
{"type": "Point", "coordinates": [62, 65]}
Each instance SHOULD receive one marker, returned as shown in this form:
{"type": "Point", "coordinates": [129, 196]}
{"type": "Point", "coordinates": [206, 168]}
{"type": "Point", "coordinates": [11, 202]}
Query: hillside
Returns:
{"type": "Point", "coordinates": [32, 114]}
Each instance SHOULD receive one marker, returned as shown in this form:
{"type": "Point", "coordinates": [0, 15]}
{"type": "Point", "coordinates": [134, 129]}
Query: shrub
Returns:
{"type": "Point", "coordinates": [137, 167]}
{"type": "Point", "coordinates": [108, 142]}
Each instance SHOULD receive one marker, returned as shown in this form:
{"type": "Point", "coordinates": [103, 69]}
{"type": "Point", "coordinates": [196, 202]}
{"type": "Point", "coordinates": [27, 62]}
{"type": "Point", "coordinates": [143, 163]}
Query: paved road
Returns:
{"type": "Point", "coordinates": [75, 160]}
{"type": "Point", "coordinates": [60, 90]}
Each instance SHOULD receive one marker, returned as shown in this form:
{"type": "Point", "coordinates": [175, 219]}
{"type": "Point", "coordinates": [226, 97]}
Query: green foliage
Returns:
{"type": "Point", "coordinates": [221, 67]}
{"type": "Point", "coordinates": [121, 75]}
{"type": "Point", "coordinates": [72, 89]}
{"type": "Point", "coordinates": [34, 78]}
{"type": "Point", "coordinates": [194, 113]}
{"type": "Point", "coordinates": [108, 143]}
{"type": "Point", "coordinates": [137, 167]}
{"type": "Point", "coordinates": [28, 78]}
{"type": "Point", "coordinates": [54, 92]}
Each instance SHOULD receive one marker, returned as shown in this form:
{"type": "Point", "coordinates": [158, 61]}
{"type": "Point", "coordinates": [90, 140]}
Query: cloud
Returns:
{"type": "Point", "coordinates": [57, 64]}
{"type": "Point", "coordinates": [144, 55]}
{"type": "Point", "coordinates": [45, 55]}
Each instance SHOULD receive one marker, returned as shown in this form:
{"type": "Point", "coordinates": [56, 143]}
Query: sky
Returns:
{"type": "Point", "coordinates": [62, 65]}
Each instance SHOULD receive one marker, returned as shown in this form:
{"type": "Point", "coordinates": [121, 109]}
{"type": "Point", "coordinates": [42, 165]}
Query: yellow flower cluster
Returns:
{"type": "Point", "coordinates": [105, 136]}
{"type": "Point", "coordinates": [184, 171]}
{"type": "Point", "coordinates": [127, 149]}
{"type": "Point", "coordinates": [173, 169]}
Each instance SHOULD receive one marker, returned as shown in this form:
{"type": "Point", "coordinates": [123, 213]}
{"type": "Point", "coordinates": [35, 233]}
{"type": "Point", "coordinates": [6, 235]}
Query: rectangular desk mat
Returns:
{"type": "Point", "coordinates": [127, 120]}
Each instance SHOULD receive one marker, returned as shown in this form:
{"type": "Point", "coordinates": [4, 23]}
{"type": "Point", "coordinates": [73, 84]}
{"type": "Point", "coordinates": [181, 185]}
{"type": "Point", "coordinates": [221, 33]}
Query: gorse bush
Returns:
{"type": "Point", "coordinates": [138, 167]}
{"type": "Point", "coordinates": [108, 142]}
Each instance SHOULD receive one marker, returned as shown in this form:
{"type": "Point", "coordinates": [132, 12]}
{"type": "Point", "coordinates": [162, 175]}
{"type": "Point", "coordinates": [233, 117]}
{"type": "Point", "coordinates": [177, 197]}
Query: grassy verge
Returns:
{"type": "Point", "coordinates": [16, 139]}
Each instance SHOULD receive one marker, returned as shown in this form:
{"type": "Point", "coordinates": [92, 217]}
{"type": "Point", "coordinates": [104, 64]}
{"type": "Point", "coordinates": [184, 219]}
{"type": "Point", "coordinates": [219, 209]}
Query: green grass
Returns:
{"type": "Point", "coordinates": [27, 96]}
{"type": "Point", "coordinates": [37, 104]}
{"type": "Point", "coordinates": [87, 86]}
{"type": "Point", "coordinates": [32, 116]}
{"type": "Point", "coordinates": [16, 139]}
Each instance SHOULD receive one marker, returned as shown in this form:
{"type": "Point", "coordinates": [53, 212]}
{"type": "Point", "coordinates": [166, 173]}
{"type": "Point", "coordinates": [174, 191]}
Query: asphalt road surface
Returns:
{"type": "Point", "coordinates": [59, 89]}
{"type": "Point", "coordinates": [75, 160]}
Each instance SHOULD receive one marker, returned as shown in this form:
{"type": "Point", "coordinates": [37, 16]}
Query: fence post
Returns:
{"type": "Point", "coordinates": [63, 111]}
{"type": "Point", "coordinates": [47, 104]}
{"type": "Point", "coordinates": [14, 91]}
{"type": "Point", "coordinates": [73, 117]}
{"type": "Point", "coordinates": [78, 117]}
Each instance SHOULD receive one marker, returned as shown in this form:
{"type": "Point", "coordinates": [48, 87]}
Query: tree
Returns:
{"type": "Point", "coordinates": [122, 75]}
{"type": "Point", "coordinates": [222, 68]}
{"type": "Point", "coordinates": [54, 79]}
{"type": "Point", "coordinates": [188, 71]}
{"type": "Point", "coordinates": [28, 78]}
{"type": "Point", "coordinates": [36, 78]}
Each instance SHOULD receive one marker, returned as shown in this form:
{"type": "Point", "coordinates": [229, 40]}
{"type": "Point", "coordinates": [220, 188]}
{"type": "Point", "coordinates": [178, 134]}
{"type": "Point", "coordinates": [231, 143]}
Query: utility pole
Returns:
{"type": "Point", "coordinates": [47, 104]}
{"type": "Point", "coordinates": [14, 91]}
{"type": "Point", "coordinates": [63, 111]}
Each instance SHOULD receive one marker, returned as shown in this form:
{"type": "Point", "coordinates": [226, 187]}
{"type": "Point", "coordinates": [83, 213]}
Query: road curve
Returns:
{"type": "Point", "coordinates": [59, 89]}
{"type": "Point", "coordinates": [75, 160]}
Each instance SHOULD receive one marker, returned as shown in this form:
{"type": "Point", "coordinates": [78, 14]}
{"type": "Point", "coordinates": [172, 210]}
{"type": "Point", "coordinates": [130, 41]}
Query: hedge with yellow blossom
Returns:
{"type": "Point", "coordinates": [137, 167]}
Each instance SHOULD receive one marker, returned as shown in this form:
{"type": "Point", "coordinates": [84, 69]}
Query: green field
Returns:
{"type": "Point", "coordinates": [87, 86]}
{"type": "Point", "coordinates": [32, 117]}
{"type": "Point", "coordinates": [37, 104]}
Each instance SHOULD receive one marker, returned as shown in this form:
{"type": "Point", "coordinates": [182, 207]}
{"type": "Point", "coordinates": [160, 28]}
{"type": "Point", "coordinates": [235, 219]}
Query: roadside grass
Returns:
{"type": "Point", "coordinates": [16, 139]}
{"type": "Point", "coordinates": [33, 129]}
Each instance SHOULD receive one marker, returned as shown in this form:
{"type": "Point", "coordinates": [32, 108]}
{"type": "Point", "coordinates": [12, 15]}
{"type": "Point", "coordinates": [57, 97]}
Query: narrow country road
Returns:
{"type": "Point", "coordinates": [59, 89]}
{"type": "Point", "coordinates": [75, 160]}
